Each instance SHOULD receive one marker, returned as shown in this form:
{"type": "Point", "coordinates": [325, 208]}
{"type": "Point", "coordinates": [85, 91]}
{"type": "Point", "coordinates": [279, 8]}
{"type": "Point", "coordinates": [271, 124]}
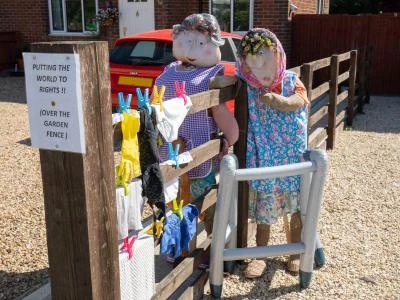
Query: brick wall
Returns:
{"type": "Point", "coordinates": [168, 13]}
{"type": "Point", "coordinates": [273, 14]}
{"type": "Point", "coordinates": [306, 6]}
{"type": "Point", "coordinates": [31, 19]}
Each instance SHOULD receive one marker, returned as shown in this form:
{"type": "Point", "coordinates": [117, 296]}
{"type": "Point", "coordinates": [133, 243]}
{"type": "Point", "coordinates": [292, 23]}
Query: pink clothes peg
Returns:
{"type": "Point", "coordinates": [181, 92]}
{"type": "Point", "coordinates": [127, 246]}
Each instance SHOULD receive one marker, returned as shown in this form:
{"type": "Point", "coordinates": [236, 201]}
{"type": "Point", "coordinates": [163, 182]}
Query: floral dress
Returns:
{"type": "Point", "coordinates": [274, 138]}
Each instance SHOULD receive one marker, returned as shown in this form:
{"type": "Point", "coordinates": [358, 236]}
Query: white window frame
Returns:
{"type": "Point", "coordinates": [64, 12]}
{"type": "Point", "coordinates": [251, 15]}
{"type": "Point", "coordinates": [320, 7]}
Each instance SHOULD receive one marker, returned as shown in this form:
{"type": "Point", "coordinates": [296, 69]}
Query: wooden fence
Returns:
{"type": "Point", "coordinates": [8, 49]}
{"type": "Point", "coordinates": [316, 36]}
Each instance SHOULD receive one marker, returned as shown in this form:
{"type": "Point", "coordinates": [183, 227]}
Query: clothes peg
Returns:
{"type": "Point", "coordinates": [143, 100]}
{"type": "Point", "coordinates": [177, 209]}
{"type": "Point", "coordinates": [173, 154]}
{"type": "Point", "coordinates": [158, 97]}
{"type": "Point", "coordinates": [124, 106]}
{"type": "Point", "coordinates": [181, 92]}
{"type": "Point", "coordinates": [158, 226]}
{"type": "Point", "coordinates": [121, 181]}
{"type": "Point", "coordinates": [127, 246]}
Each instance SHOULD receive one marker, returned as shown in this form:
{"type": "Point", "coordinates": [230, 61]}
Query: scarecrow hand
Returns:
{"type": "Point", "coordinates": [281, 103]}
{"type": "Point", "coordinates": [223, 148]}
{"type": "Point", "coordinates": [220, 82]}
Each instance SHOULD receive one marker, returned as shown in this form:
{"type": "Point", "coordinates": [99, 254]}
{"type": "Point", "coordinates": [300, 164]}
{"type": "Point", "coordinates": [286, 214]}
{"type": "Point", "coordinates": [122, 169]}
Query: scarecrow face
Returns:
{"type": "Point", "coordinates": [196, 48]}
{"type": "Point", "coordinates": [263, 65]}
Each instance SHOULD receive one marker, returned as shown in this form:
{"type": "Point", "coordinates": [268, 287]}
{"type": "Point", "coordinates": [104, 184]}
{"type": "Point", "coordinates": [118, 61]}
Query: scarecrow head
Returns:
{"type": "Point", "coordinates": [262, 60]}
{"type": "Point", "coordinates": [197, 40]}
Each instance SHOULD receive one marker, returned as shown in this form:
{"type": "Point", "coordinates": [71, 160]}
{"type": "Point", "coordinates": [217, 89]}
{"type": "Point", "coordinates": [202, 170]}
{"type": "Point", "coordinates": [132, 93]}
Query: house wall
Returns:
{"type": "Point", "coordinates": [168, 13]}
{"type": "Point", "coordinates": [31, 19]}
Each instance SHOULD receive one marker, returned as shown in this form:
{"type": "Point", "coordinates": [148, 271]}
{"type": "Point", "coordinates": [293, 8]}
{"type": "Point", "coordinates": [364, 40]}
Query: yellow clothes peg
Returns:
{"type": "Point", "coordinates": [121, 181]}
{"type": "Point", "coordinates": [159, 228]}
{"type": "Point", "coordinates": [158, 97]}
{"type": "Point", "coordinates": [177, 209]}
{"type": "Point", "coordinates": [129, 166]}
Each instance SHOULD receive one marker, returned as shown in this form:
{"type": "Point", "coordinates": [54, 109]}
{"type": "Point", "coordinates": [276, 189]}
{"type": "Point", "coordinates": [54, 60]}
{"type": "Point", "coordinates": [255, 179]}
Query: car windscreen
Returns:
{"type": "Point", "coordinates": [142, 53]}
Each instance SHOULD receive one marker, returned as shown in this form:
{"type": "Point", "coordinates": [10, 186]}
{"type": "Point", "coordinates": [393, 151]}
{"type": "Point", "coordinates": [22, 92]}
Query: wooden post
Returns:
{"type": "Point", "coordinates": [307, 79]}
{"type": "Point", "coordinates": [352, 86]}
{"type": "Point", "coordinates": [79, 189]}
{"type": "Point", "coordinates": [241, 115]}
{"type": "Point", "coordinates": [368, 74]}
{"type": "Point", "coordinates": [361, 79]}
{"type": "Point", "coordinates": [333, 91]}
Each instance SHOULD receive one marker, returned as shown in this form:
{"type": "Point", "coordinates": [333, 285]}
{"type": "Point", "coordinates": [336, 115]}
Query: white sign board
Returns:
{"type": "Point", "coordinates": [53, 92]}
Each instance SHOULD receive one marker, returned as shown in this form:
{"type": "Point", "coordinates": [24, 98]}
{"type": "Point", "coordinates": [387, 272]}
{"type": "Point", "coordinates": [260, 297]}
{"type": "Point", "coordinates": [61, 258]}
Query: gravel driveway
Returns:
{"type": "Point", "coordinates": [359, 226]}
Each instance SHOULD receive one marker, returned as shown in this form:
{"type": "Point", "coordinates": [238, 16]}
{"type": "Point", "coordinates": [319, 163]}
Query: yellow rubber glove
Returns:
{"type": "Point", "coordinates": [159, 228]}
{"type": "Point", "coordinates": [177, 209]}
{"type": "Point", "coordinates": [158, 97]}
{"type": "Point", "coordinates": [129, 166]}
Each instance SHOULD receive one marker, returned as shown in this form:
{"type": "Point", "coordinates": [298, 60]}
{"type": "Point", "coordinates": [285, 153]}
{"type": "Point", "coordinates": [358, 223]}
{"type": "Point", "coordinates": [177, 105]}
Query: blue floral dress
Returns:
{"type": "Point", "coordinates": [274, 138]}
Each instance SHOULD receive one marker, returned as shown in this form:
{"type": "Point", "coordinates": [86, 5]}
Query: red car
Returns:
{"type": "Point", "coordinates": [137, 60]}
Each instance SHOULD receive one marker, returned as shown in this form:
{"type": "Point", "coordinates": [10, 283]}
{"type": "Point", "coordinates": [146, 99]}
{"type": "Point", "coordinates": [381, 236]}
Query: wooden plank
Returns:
{"type": "Point", "coordinates": [344, 56]}
{"type": "Point", "coordinates": [340, 118]}
{"type": "Point", "coordinates": [79, 189]}
{"type": "Point", "coordinates": [342, 96]}
{"type": "Point", "coordinates": [318, 91]}
{"type": "Point", "coordinates": [342, 77]}
{"type": "Point", "coordinates": [199, 154]}
{"type": "Point", "coordinates": [196, 289]}
{"type": "Point", "coordinates": [352, 86]}
{"type": "Point", "coordinates": [332, 102]}
{"type": "Point", "coordinates": [207, 201]}
{"type": "Point", "coordinates": [239, 149]}
{"type": "Point", "coordinates": [212, 98]}
{"type": "Point", "coordinates": [318, 115]}
{"type": "Point", "coordinates": [181, 272]}
{"type": "Point", "coordinates": [321, 63]}
{"type": "Point", "coordinates": [296, 70]}
{"type": "Point", "coordinates": [317, 137]}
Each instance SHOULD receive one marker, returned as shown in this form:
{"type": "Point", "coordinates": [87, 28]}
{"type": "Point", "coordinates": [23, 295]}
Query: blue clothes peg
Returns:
{"type": "Point", "coordinates": [143, 101]}
{"type": "Point", "coordinates": [173, 154]}
{"type": "Point", "coordinates": [123, 105]}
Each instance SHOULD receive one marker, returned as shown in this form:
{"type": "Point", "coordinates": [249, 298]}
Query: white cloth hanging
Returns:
{"type": "Point", "coordinates": [137, 276]}
{"type": "Point", "coordinates": [171, 117]}
{"type": "Point", "coordinates": [129, 208]}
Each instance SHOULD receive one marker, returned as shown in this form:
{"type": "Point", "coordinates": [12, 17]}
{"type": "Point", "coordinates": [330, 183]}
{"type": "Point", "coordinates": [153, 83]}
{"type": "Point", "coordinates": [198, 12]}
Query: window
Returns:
{"type": "Point", "coordinates": [142, 53]}
{"type": "Point", "coordinates": [73, 16]}
{"type": "Point", "coordinates": [233, 16]}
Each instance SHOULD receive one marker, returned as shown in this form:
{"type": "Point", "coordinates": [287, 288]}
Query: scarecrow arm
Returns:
{"type": "Point", "coordinates": [222, 81]}
{"type": "Point", "coordinates": [281, 103]}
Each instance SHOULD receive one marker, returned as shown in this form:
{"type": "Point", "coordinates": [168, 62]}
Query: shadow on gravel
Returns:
{"type": "Point", "coordinates": [14, 285]}
{"type": "Point", "coordinates": [26, 142]}
{"type": "Point", "coordinates": [261, 289]}
{"type": "Point", "coordinates": [382, 115]}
